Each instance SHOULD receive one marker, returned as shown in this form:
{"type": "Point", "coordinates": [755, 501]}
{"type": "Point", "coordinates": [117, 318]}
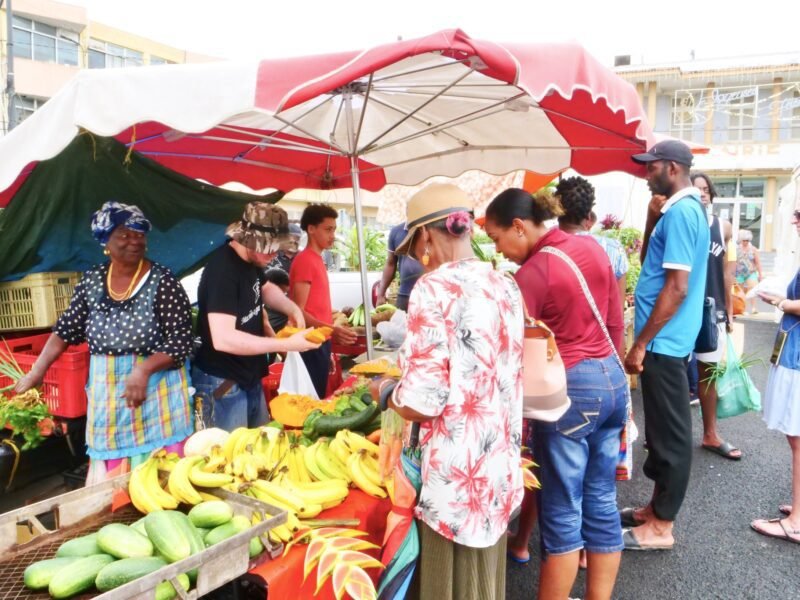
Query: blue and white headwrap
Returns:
{"type": "Point", "coordinates": [114, 214]}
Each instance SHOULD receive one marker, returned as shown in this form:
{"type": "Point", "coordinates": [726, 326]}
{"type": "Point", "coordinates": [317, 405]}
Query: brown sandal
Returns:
{"type": "Point", "coordinates": [787, 533]}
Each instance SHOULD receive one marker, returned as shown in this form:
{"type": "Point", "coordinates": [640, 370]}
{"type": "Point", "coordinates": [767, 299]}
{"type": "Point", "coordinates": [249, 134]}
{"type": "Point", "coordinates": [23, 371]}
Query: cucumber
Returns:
{"type": "Point", "coordinates": [167, 535]}
{"type": "Point", "coordinates": [308, 424]}
{"type": "Point", "coordinates": [122, 541]}
{"type": "Point", "coordinates": [236, 525]}
{"type": "Point", "coordinates": [328, 425]}
{"type": "Point", "coordinates": [139, 526]}
{"type": "Point", "coordinates": [126, 570]}
{"type": "Point", "coordinates": [166, 591]}
{"type": "Point", "coordinates": [82, 546]}
{"type": "Point", "coordinates": [373, 425]}
{"type": "Point", "coordinates": [196, 540]}
{"type": "Point", "coordinates": [38, 575]}
{"type": "Point", "coordinates": [79, 576]}
{"type": "Point", "coordinates": [211, 514]}
{"type": "Point", "coordinates": [256, 547]}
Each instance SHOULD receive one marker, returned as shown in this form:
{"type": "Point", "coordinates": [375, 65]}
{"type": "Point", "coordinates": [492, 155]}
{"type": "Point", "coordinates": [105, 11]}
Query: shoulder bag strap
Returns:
{"type": "Point", "coordinates": [589, 297]}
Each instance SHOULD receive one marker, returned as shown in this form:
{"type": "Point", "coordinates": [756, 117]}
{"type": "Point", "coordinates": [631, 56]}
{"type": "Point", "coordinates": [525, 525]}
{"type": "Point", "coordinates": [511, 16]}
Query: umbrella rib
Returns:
{"type": "Point", "coordinates": [276, 143]}
{"type": "Point", "coordinates": [367, 98]}
{"type": "Point", "coordinates": [454, 62]}
{"type": "Point", "coordinates": [294, 125]}
{"type": "Point", "coordinates": [471, 116]}
{"type": "Point", "coordinates": [246, 161]}
{"type": "Point", "coordinates": [372, 142]}
{"type": "Point", "coordinates": [425, 122]}
{"type": "Point", "coordinates": [634, 141]}
{"type": "Point", "coordinates": [485, 148]}
{"type": "Point", "coordinates": [449, 96]}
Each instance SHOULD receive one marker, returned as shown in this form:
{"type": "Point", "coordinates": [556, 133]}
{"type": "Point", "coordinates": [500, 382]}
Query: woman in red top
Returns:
{"type": "Point", "coordinates": [578, 453]}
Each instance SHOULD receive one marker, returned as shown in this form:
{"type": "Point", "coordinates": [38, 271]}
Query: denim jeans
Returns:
{"type": "Point", "coordinates": [239, 407]}
{"type": "Point", "coordinates": [578, 457]}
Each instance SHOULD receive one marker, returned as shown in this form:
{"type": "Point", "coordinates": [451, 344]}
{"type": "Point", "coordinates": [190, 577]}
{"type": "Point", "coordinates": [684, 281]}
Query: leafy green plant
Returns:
{"type": "Point", "coordinates": [630, 239]}
{"type": "Point", "coordinates": [24, 414]}
{"type": "Point", "coordinates": [374, 244]}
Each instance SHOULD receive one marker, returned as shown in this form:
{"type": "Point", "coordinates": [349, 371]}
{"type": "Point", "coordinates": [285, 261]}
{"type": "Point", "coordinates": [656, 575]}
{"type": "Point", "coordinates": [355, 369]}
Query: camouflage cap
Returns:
{"type": "Point", "coordinates": [263, 228]}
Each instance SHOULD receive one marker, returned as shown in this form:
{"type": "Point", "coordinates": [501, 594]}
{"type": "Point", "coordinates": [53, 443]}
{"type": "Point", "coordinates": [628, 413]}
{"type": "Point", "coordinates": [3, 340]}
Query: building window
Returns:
{"type": "Point", "coordinates": [105, 55]}
{"type": "Point", "coordinates": [157, 60]}
{"type": "Point", "coordinates": [25, 106]}
{"type": "Point", "coordinates": [37, 41]}
{"type": "Point", "coordinates": [741, 118]}
{"type": "Point", "coordinates": [795, 118]}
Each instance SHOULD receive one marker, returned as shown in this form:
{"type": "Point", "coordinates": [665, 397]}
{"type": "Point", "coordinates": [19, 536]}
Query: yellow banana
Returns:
{"type": "Point", "coordinates": [361, 479]}
{"type": "Point", "coordinates": [326, 463]}
{"type": "Point", "coordinates": [248, 438]}
{"type": "Point", "coordinates": [339, 449]}
{"type": "Point", "coordinates": [216, 460]}
{"type": "Point", "coordinates": [359, 442]}
{"type": "Point", "coordinates": [283, 533]}
{"type": "Point", "coordinates": [250, 472]}
{"type": "Point", "coordinates": [208, 497]}
{"type": "Point", "coordinates": [149, 478]}
{"type": "Point", "coordinates": [372, 474]}
{"type": "Point", "coordinates": [201, 478]}
{"type": "Point", "coordinates": [310, 461]}
{"type": "Point", "coordinates": [281, 494]}
{"type": "Point", "coordinates": [178, 483]}
{"type": "Point", "coordinates": [334, 491]}
{"type": "Point", "coordinates": [140, 498]}
{"type": "Point", "coordinates": [331, 504]}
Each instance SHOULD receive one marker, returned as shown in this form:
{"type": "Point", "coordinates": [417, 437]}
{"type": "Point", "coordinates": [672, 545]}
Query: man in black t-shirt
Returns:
{"type": "Point", "coordinates": [231, 362]}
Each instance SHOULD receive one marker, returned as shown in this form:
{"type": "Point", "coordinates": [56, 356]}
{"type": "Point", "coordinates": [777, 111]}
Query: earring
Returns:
{"type": "Point", "coordinates": [106, 251]}
{"type": "Point", "coordinates": [519, 233]}
{"type": "Point", "coordinates": [426, 258]}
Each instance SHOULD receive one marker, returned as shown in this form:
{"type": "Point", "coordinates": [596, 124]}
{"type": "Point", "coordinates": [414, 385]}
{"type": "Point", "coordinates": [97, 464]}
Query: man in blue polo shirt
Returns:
{"type": "Point", "coordinates": [669, 302]}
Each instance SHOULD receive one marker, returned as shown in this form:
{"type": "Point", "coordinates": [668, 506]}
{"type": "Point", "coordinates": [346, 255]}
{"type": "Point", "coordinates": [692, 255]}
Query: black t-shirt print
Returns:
{"type": "Point", "coordinates": [231, 286]}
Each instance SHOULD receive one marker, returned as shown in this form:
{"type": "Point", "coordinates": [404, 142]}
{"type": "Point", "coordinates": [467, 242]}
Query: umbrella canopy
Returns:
{"type": "Point", "coordinates": [397, 113]}
{"type": "Point", "coordinates": [438, 105]}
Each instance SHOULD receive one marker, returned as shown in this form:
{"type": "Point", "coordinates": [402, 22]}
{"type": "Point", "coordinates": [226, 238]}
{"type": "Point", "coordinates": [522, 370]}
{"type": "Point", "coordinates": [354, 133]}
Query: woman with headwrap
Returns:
{"type": "Point", "coordinates": [136, 318]}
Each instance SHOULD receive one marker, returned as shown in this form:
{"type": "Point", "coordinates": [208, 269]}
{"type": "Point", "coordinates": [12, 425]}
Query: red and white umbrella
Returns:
{"type": "Point", "coordinates": [398, 113]}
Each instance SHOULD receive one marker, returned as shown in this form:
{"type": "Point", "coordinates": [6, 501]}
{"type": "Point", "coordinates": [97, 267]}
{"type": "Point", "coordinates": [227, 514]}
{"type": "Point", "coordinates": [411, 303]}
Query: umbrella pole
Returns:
{"type": "Point", "coordinates": [362, 251]}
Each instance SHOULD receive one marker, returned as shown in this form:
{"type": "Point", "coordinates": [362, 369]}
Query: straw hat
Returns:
{"type": "Point", "coordinates": [432, 203]}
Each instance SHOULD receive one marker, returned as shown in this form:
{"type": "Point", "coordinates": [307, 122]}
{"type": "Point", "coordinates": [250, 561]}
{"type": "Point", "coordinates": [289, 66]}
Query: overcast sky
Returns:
{"type": "Point", "coordinates": [658, 31]}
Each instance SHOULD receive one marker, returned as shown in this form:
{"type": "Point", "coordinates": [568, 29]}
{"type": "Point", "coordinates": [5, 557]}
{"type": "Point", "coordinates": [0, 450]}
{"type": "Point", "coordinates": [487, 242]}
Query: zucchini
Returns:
{"type": "Point", "coordinates": [126, 570]}
{"type": "Point", "coordinates": [356, 403]}
{"type": "Point", "coordinates": [308, 424]}
{"type": "Point", "coordinates": [211, 514]}
{"type": "Point", "coordinates": [82, 546]}
{"type": "Point", "coordinates": [79, 576]}
{"type": "Point", "coordinates": [38, 575]}
{"type": "Point", "coordinates": [167, 535]}
{"type": "Point", "coordinates": [236, 525]}
{"type": "Point", "coordinates": [122, 541]}
{"type": "Point", "coordinates": [328, 425]}
{"type": "Point", "coordinates": [166, 591]}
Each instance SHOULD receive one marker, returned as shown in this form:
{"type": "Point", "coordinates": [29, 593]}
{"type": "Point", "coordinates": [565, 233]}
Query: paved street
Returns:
{"type": "Point", "coordinates": [717, 556]}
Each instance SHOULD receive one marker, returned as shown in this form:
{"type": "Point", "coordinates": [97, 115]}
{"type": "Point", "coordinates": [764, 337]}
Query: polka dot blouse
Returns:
{"type": "Point", "coordinates": [156, 318]}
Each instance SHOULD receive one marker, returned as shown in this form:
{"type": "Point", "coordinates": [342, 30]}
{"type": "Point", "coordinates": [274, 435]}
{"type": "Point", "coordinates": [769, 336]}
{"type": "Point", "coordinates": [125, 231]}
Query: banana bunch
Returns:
{"type": "Point", "coordinates": [145, 489]}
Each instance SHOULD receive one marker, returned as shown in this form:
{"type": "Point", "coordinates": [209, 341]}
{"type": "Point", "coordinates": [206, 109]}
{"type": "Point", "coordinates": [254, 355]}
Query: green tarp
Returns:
{"type": "Point", "coordinates": [46, 225]}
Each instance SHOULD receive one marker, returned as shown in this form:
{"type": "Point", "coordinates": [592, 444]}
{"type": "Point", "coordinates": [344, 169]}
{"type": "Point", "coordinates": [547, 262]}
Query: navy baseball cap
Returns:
{"type": "Point", "coordinates": [674, 150]}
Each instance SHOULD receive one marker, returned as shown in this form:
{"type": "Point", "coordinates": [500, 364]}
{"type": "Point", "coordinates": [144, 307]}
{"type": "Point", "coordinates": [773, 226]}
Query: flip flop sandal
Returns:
{"type": "Point", "coordinates": [520, 561]}
{"type": "Point", "coordinates": [631, 543]}
{"type": "Point", "coordinates": [785, 509]}
{"type": "Point", "coordinates": [627, 518]}
{"type": "Point", "coordinates": [787, 533]}
{"type": "Point", "coordinates": [724, 450]}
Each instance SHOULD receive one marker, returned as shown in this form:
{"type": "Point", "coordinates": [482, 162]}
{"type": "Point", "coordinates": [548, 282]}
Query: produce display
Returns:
{"type": "Point", "coordinates": [358, 316]}
{"type": "Point", "coordinates": [283, 469]}
{"type": "Point", "coordinates": [118, 554]}
{"type": "Point", "coordinates": [352, 409]}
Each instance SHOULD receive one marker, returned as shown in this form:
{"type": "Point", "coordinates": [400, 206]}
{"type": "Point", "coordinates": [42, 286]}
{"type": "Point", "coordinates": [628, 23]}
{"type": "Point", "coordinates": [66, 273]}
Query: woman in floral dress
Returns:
{"type": "Point", "coordinates": [461, 363]}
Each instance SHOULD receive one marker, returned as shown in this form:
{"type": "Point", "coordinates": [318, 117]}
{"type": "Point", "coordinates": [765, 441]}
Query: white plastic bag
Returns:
{"type": "Point", "coordinates": [393, 331]}
{"type": "Point", "coordinates": [772, 285]}
{"type": "Point", "coordinates": [295, 378]}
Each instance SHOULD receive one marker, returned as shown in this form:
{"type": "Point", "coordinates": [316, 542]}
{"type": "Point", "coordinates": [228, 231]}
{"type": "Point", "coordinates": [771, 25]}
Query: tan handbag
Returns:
{"type": "Point", "coordinates": [544, 378]}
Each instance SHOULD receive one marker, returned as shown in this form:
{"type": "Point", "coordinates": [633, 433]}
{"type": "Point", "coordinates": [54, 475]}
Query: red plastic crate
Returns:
{"type": "Point", "coordinates": [64, 386]}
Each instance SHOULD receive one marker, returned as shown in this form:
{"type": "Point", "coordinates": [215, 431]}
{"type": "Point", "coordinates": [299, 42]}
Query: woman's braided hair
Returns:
{"type": "Point", "coordinates": [577, 199]}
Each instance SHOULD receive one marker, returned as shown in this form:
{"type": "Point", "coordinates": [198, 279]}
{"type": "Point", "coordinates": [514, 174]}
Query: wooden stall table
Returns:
{"type": "Point", "coordinates": [283, 577]}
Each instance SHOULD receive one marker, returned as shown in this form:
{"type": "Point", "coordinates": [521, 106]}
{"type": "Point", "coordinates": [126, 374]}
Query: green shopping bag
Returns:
{"type": "Point", "coordinates": [736, 393]}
